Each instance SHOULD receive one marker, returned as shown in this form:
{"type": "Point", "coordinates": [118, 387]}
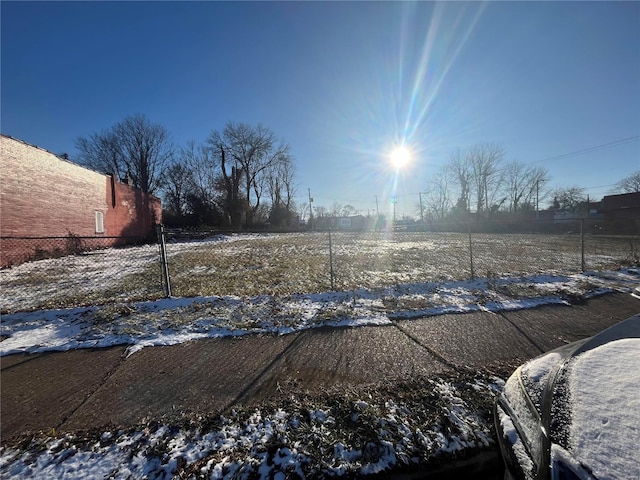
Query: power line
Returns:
{"type": "Point", "coordinates": [595, 148]}
{"type": "Point", "coordinates": [601, 186]}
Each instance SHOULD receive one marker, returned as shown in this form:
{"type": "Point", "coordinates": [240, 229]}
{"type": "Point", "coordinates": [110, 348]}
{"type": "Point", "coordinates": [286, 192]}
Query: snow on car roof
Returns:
{"type": "Point", "coordinates": [605, 409]}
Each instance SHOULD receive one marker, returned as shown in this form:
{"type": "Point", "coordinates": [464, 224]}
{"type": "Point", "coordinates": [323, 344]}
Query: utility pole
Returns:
{"type": "Point", "coordinates": [421, 208]}
{"type": "Point", "coordinates": [377, 212]}
{"type": "Point", "coordinates": [537, 198]}
{"type": "Point", "coordinates": [394, 201]}
{"type": "Point", "coordinates": [588, 206]}
{"type": "Point", "coordinates": [310, 210]}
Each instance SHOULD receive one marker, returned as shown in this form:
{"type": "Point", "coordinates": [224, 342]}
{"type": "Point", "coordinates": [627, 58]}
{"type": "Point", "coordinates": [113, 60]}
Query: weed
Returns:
{"type": "Point", "coordinates": [74, 244]}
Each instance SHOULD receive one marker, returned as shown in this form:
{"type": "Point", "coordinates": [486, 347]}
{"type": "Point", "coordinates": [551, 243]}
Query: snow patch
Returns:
{"type": "Point", "coordinates": [178, 320]}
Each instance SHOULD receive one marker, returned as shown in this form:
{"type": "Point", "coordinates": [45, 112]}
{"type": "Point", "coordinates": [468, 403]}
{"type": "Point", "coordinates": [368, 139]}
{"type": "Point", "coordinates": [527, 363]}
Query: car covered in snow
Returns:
{"type": "Point", "coordinates": [574, 412]}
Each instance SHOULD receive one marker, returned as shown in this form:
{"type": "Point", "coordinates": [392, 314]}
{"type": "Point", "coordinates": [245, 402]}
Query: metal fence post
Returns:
{"type": "Point", "coordinates": [166, 284]}
{"type": "Point", "coordinates": [473, 275]}
{"type": "Point", "coordinates": [582, 262]}
{"type": "Point", "coordinates": [331, 261]}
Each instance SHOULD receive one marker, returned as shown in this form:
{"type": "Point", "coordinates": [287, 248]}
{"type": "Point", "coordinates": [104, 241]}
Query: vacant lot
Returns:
{"type": "Point", "coordinates": [285, 264]}
{"type": "Point", "coordinates": [308, 262]}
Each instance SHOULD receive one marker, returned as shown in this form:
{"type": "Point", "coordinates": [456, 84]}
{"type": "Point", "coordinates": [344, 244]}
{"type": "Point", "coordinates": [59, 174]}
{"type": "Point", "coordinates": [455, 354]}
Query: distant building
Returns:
{"type": "Point", "coordinates": [563, 216]}
{"type": "Point", "coordinates": [354, 222]}
{"type": "Point", "coordinates": [43, 195]}
{"type": "Point", "coordinates": [621, 207]}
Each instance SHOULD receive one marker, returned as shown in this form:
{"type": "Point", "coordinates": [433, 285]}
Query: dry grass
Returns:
{"type": "Point", "coordinates": [273, 265]}
{"type": "Point", "coordinates": [287, 264]}
{"type": "Point", "coordinates": [299, 263]}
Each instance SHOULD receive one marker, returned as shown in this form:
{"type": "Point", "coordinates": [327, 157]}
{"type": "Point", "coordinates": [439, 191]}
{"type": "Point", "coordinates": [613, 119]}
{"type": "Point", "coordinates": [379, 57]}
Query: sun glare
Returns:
{"type": "Point", "coordinates": [400, 157]}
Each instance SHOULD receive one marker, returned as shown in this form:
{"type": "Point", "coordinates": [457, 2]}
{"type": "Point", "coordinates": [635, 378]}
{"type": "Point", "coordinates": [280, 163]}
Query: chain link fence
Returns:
{"type": "Point", "coordinates": [308, 262]}
{"type": "Point", "coordinates": [73, 271]}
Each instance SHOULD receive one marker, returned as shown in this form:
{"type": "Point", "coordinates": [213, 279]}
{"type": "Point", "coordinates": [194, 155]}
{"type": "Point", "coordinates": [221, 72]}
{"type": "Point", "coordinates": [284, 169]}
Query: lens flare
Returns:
{"type": "Point", "coordinates": [400, 157]}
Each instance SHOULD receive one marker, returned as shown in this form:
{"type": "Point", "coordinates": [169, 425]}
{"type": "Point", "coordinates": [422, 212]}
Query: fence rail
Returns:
{"type": "Point", "coordinates": [73, 271]}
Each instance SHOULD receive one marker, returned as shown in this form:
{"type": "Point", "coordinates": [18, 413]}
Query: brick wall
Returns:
{"type": "Point", "coordinates": [626, 205]}
{"type": "Point", "coordinates": [130, 212]}
{"type": "Point", "coordinates": [42, 195]}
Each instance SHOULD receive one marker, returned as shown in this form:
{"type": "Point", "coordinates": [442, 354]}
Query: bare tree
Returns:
{"type": "Point", "coordinates": [281, 186]}
{"type": "Point", "coordinates": [462, 176]}
{"type": "Point", "coordinates": [303, 211]}
{"type": "Point", "coordinates": [321, 211]}
{"type": "Point", "coordinates": [146, 148]}
{"type": "Point", "coordinates": [568, 198]}
{"type": "Point", "coordinates": [348, 211]}
{"type": "Point", "coordinates": [202, 166]}
{"type": "Point", "coordinates": [255, 150]}
{"type": "Point", "coordinates": [522, 185]}
{"type": "Point", "coordinates": [485, 160]}
{"type": "Point", "coordinates": [204, 199]}
{"type": "Point", "coordinates": [287, 173]}
{"type": "Point", "coordinates": [250, 152]}
{"type": "Point", "coordinates": [437, 198]}
{"type": "Point", "coordinates": [101, 152]}
{"type": "Point", "coordinates": [537, 178]}
{"type": "Point", "coordinates": [176, 184]}
{"type": "Point", "coordinates": [630, 184]}
{"type": "Point", "coordinates": [135, 146]}
{"type": "Point", "coordinates": [336, 209]}
{"type": "Point", "coordinates": [233, 202]}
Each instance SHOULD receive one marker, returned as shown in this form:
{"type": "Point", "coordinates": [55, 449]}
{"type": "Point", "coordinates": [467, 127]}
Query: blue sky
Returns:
{"type": "Point", "coordinates": [340, 82]}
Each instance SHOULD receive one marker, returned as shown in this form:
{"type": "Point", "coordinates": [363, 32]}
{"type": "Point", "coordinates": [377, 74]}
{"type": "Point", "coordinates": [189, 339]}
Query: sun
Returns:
{"type": "Point", "coordinates": [400, 157]}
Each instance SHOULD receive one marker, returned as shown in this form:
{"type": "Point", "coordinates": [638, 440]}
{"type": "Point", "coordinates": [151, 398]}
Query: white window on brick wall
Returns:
{"type": "Point", "coordinates": [99, 222]}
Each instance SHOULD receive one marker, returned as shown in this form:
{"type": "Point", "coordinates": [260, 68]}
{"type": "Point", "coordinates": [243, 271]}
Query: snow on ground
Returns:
{"type": "Point", "coordinates": [281, 264]}
{"type": "Point", "coordinates": [337, 435]}
{"type": "Point", "coordinates": [369, 433]}
{"type": "Point", "coordinates": [77, 273]}
{"type": "Point", "coordinates": [177, 320]}
{"type": "Point", "coordinates": [93, 271]}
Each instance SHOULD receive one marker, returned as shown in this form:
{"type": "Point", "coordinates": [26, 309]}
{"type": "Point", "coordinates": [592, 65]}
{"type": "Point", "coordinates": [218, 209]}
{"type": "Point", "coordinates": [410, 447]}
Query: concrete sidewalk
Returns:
{"type": "Point", "coordinates": [83, 389]}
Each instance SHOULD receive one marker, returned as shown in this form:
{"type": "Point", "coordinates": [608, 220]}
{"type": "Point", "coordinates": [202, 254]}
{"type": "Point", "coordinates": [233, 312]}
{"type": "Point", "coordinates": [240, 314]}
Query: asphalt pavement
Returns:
{"type": "Point", "coordinates": [84, 389]}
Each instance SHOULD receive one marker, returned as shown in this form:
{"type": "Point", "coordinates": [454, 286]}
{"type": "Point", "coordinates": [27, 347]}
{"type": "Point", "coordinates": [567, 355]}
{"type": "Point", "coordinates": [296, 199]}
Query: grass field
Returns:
{"type": "Point", "coordinates": [301, 263]}
{"type": "Point", "coordinates": [285, 264]}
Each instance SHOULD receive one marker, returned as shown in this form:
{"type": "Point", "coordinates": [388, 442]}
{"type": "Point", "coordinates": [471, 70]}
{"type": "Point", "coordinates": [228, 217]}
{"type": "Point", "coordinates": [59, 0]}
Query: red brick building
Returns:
{"type": "Point", "coordinates": [43, 195]}
{"type": "Point", "coordinates": [622, 213]}
{"type": "Point", "coordinates": [621, 207]}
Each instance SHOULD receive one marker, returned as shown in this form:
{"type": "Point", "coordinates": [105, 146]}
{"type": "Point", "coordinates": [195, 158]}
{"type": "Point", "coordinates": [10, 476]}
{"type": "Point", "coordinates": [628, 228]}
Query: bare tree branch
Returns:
{"type": "Point", "coordinates": [255, 151]}
{"type": "Point", "coordinates": [134, 146]}
{"type": "Point", "coordinates": [630, 184]}
{"type": "Point", "coordinates": [485, 160]}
